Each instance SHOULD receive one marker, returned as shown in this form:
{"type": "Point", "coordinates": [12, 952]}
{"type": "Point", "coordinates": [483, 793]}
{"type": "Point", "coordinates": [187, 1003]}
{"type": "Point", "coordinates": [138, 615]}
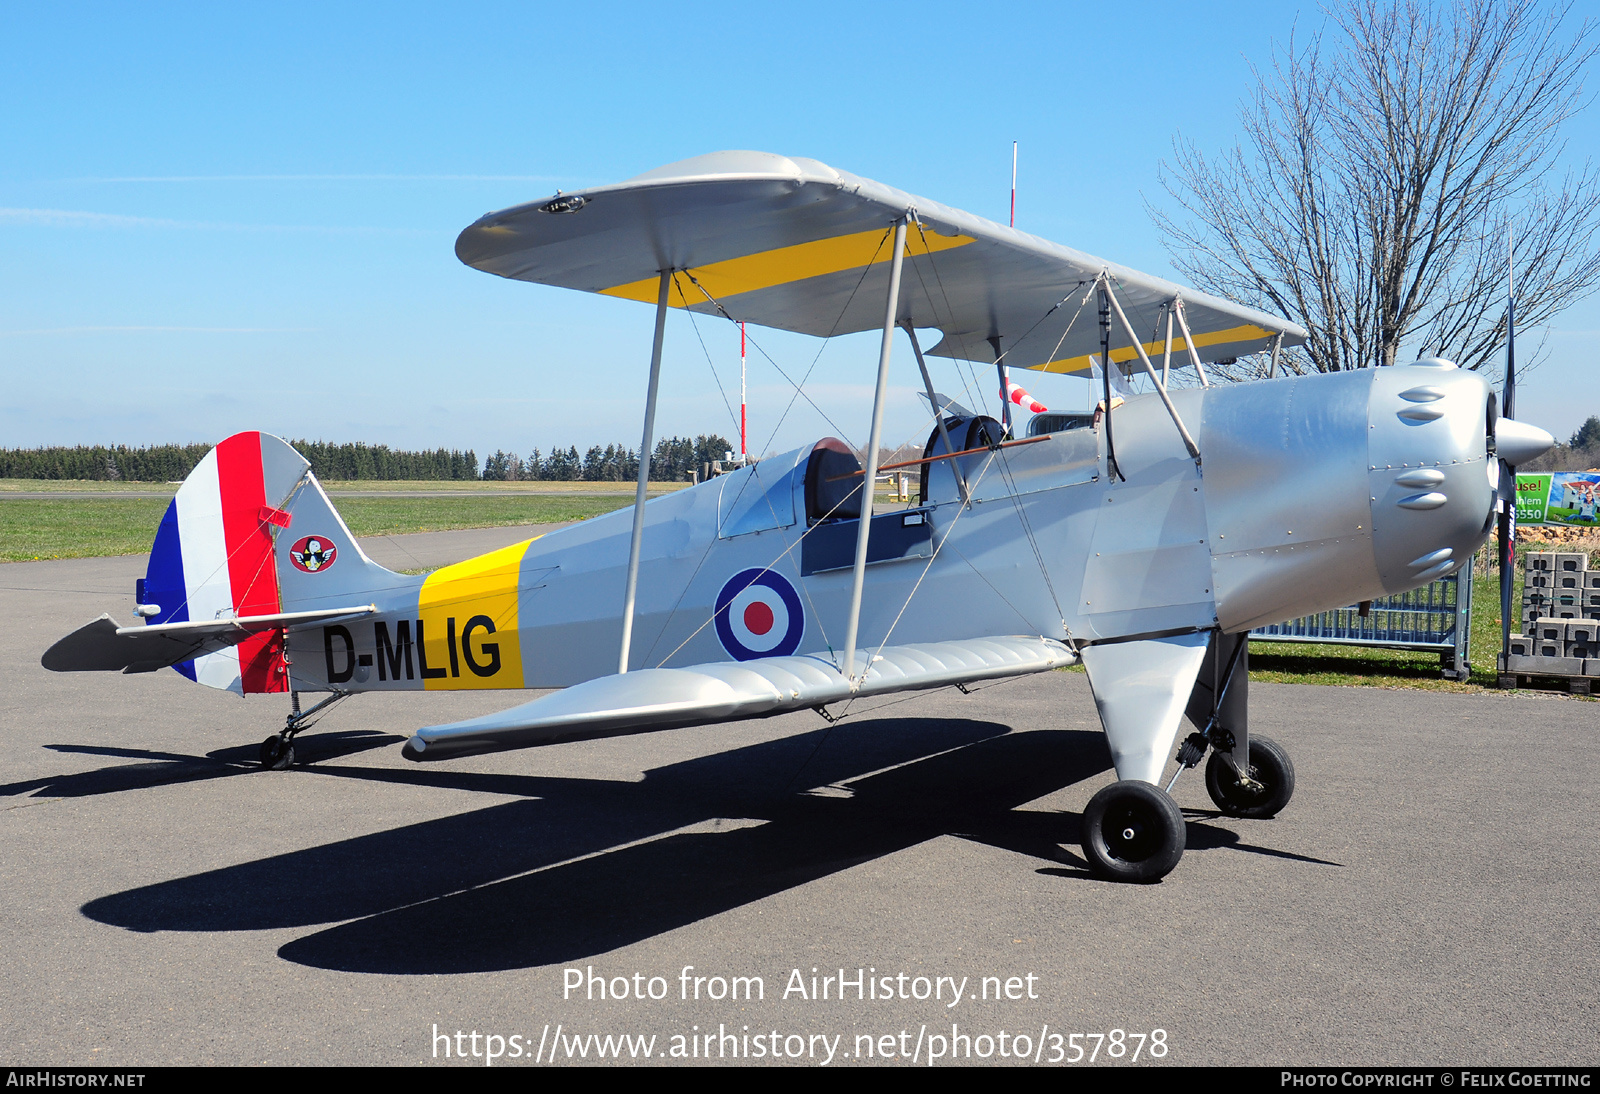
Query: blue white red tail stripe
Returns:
{"type": "Point", "coordinates": [213, 556]}
{"type": "Point", "coordinates": [163, 583]}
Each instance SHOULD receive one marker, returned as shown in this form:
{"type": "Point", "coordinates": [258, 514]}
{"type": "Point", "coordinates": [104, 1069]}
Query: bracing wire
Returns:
{"type": "Point", "coordinates": [732, 418]}
{"type": "Point", "coordinates": [787, 551]}
{"type": "Point", "coordinates": [265, 560]}
{"type": "Point", "coordinates": [1027, 531]}
{"type": "Point", "coordinates": [867, 488]}
{"type": "Point", "coordinates": [1005, 466]}
{"type": "Point", "coordinates": [961, 342]}
{"type": "Point", "coordinates": [927, 566]}
{"type": "Point", "coordinates": [799, 392]}
{"type": "Point", "coordinates": [799, 388]}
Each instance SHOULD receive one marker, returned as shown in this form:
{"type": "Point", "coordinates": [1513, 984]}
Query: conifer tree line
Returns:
{"type": "Point", "coordinates": [672, 460]}
{"type": "Point", "coordinates": [102, 463]}
{"type": "Point", "coordinates": [172, 462]}
{"type": "Point", "coordinates": [379, 461]}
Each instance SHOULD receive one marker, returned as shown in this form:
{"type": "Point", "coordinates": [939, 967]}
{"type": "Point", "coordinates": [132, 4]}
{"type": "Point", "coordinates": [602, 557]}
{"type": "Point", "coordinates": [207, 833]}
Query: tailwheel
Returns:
{"type": "Point", "coordinates": [277, 753]}
{"type": "Point", "coordinates": [1133, 831]}
{"type": "Point", "coordinates": [1270, 771]}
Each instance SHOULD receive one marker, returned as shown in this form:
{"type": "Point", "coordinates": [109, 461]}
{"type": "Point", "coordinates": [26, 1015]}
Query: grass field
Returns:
{"type": "Point", "coordinates": [1357, 666]}
{"type": "Point", "coordinates": [87, 527]}
{"type": "Point", "coordinates": [80, 486]}
{"type": "Point", "coordinates": [71, 528]}
{"type": "Point", "coordinates": [78, 529]}
{"type": "Point", "coordinates": [467, 486]}
{"type": "Point", "coordinates": [532, 489]}
{"type": "Point", "coordinates": [1362, 666]}
{"type": "Point", "coordinates": [68, 527]}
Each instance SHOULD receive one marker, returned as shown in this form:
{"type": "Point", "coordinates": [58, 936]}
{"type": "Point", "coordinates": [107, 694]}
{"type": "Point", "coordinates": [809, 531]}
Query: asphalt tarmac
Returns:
{"type": "Point", "coordinates": [1429, 896]}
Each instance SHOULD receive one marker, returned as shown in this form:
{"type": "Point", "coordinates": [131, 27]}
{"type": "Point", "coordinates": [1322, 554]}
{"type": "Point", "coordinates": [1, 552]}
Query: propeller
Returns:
{"type": "Point", "coordinates": [1508, 488]}
{"type": "Point", "coordinates": [1515, 443]}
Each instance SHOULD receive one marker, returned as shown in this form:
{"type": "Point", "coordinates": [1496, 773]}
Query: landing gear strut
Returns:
{"type": "Point", "coordinates": [1261, 785]}
{"type": "Point", "coordinates": [277, 751]}
{"type": "Point", "coordinates": [1268, 789]}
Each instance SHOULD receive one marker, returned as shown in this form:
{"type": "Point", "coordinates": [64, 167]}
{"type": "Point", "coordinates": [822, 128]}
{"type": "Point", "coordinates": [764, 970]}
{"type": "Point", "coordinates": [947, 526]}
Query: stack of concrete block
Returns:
{"type": "Point", "coordinates": [1560, 616]}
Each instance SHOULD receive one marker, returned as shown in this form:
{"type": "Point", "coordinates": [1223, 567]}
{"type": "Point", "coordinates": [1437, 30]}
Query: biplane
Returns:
{"type": "Point", "coordinates": [1142, 542]}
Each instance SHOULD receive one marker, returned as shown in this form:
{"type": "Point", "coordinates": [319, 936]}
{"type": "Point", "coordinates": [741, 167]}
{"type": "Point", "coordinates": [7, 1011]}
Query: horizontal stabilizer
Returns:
{"type": "Point", "coordinates": [102, 646]}
{"type": "Point", "coordinates": [651, 699]}
{"type": "Point", "coordinates": [946, 405]}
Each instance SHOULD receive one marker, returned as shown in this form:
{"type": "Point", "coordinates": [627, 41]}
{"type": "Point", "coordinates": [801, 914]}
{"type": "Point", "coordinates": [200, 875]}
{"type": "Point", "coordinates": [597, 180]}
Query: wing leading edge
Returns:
{"type": "Point", "coordinates": [652, 699]}
{"type": "Point", "coordinates": [795, 244]}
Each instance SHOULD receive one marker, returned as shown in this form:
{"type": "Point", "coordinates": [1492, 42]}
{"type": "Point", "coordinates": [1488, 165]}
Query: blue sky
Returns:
{"type": "Point", "coordinates": [215, 218]}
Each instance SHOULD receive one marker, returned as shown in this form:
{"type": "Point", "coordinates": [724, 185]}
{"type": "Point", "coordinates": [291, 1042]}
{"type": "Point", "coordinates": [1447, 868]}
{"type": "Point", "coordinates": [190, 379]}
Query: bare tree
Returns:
{"type": "Point", "coordinates": [1380, 171]}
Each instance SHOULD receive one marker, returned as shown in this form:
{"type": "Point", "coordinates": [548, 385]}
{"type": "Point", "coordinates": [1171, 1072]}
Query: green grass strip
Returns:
{"type": "Point", "coordinates": [93, 527]}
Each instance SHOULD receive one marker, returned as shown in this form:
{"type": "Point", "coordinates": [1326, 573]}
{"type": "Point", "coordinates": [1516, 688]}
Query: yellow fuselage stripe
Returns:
{"type": "Point", "coordinates": [784, 265]}
{"type": "Point", "coordinates": [467, 623]}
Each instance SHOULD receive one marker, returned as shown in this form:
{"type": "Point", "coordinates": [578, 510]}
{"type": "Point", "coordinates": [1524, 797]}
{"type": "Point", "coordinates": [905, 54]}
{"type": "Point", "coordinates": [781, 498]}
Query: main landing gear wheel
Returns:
{"type": "Point", "coordinates": [1269, 766]}
{"type": "Point", "coordinates": [1133, 831]}
{"type": "Point", "coordinates": [277, 753]}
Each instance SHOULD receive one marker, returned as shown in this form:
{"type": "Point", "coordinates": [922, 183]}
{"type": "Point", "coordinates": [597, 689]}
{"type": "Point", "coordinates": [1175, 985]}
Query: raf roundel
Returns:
{"type": "Point", "coordinates": [759, 615]}
{"type": "Point", "coordinates": [312, 554]}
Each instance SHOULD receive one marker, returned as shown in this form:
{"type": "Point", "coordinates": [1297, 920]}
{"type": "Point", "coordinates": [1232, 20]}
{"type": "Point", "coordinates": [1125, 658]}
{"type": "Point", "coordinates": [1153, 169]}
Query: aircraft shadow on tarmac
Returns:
{"type": "Point", "coordinates": [1204, 837]}
{"type": "Point", "coordinates": [580, 867]}
{"type": "Point", "coordinates": [167, 768]}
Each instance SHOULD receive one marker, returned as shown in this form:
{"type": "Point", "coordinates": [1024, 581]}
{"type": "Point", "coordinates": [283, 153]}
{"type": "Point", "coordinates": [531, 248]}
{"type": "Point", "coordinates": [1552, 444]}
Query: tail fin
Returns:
{"type": "Point", "coordinates": [251, 532]}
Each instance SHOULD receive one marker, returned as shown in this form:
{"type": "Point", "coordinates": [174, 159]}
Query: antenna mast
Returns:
{"type": "Point", "coordinates": [744, 456]}
{"type": "Point", "coordinates": [1013, 184]}
{"type": "Point", "coordinates": [999, 358]}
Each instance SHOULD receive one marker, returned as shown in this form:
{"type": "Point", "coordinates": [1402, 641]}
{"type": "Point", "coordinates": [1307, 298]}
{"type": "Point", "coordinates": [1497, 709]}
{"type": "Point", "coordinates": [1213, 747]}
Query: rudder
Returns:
{"type": "Point", "coordinates": [213, 556]}
{"type": "Point", "coordinates": [251, 532]}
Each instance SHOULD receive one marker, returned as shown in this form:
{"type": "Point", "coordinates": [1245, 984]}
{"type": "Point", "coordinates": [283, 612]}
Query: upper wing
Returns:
{"type": "Point", "coordinates": [795, 244]}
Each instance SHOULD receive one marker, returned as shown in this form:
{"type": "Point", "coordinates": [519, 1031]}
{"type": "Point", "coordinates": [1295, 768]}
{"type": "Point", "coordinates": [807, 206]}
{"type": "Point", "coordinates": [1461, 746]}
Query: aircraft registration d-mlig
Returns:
{"type": "Point", "coordinates": [1142, 543]}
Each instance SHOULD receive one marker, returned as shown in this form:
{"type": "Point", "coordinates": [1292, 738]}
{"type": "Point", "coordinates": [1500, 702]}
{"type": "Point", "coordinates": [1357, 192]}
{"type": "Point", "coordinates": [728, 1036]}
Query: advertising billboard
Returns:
{"type": "Point", "coordinates": [1560, 497]}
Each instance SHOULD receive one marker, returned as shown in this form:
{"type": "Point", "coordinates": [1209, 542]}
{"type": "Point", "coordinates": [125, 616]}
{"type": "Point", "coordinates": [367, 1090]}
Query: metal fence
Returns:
{"type": "Point", "coordinates": [1436, 617]}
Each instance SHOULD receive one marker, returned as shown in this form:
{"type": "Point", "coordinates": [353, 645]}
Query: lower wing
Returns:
{"type": "Point", "coordinates": [650, 699]}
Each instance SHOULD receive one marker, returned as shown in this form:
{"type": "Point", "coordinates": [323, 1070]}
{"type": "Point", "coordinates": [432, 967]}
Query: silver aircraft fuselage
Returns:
{"type": "Point", "coordinates": [1311, 492]}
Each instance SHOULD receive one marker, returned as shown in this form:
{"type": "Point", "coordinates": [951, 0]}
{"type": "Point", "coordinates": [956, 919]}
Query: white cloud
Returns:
{"type": "Point", "coordinates": [72, 218]}
{"type": "Point", "coordinates": [331, 178]}
{"type": "Point", "coordinates": [163, 330]}
{"type": "Point", "coordinates": [75, 218]}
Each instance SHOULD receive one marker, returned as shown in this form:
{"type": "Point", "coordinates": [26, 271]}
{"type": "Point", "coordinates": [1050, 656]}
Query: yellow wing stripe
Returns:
{"type": "Point", "coordinates": [467, 619]}
{"type": "Point", "coordinates": [786, 265]}
{"type": "Point", "coordinates": [1247, 333]}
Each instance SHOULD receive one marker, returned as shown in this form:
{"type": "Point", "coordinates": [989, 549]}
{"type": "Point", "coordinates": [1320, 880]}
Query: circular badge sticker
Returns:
{"type": "Point", "coordinates": [312, 554]}
{"type": "Point", "coordinates": [759, 615]}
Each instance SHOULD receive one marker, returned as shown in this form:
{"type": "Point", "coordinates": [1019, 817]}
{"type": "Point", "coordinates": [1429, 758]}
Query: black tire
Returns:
{"type": "Point", "coordinates": [1269, 766]}
{"type": "Point", "coordinates": [1133, 831]}
{"type": "Point", "coordinates": [277, 754]}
